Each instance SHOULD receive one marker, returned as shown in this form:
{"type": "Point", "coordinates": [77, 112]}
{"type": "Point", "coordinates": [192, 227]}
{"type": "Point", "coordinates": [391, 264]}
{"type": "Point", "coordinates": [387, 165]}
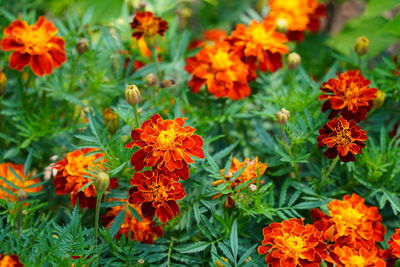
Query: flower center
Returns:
{"type": "Point", "coordinates": [356, 260]}
{"type": "Point", "coordinates": [36, 41]}
{"type": "Point", "coordinates": [166, 139]}
{"type": "Point", "coordinates": [343, 135]}
{"type": "Point", "coordinates": [295, 244]}
{"type": "Point", "coordinates": [221, 61]}
{"type": "Point", "coordinates": [159, 192]}
{"type": "Point", "coordinates": [350, 217]}
{"type": "Point", "coordinates": [149, 27]}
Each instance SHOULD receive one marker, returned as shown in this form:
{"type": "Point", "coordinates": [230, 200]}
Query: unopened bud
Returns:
{"type": "Point", "coordinates": [248, 259]}
{"type": "Point", "coordinates": [293, 60]}
{"type": "Point", "coordinates": [380, 99]}
{"type": "Point", "coordinates": [167, 83]}
{"type": "Point", "coordinates": [186, 12]}
{"type": "Point", "coordinates": [132, 94]}
{"type": "Point", "coordinates": [21, 195]}
{"type": "Point", "coordinates": [361, 46]}
{"type": "Point", "coordinates": [3, 82]}
{"type": "Point", "coordinates": [282, 116]}
{"type": "Point", "coordinates": [111, 119]}
{"type": "Point", "coordinates": [151, 79]}
{"type": "Point", "coordinates": [82, 46]}
{"type": "Point", "coordinates": [125, 138]}
{"type": "Point", "coordinates": [252, 187]}
{"type": "Point", "coordinates": [102, 182]}
{"type": "Point", "coordinates": [140, 261]}
{"type": "Point", "coordinates": [282, 25]}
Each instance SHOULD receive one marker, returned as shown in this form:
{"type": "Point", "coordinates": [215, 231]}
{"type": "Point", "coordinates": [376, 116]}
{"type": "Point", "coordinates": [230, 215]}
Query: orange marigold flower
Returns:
{"type": "Point", "coordinates": [221, 69]}
{"type": "Point", "coordinates": [291, 243]}
{"type": "Point", "coordinates": [166, 145]}
{"type": "Point", "coordinates": [350, 256]}
{"type": "Point", "coordinates": [35, 45]}
{"type": "Point", "coordinates": [144, 231]}
{"type": "Point", "coordinates": [157, 193]}
{"type": "Point", "coordinates": [21, 182]}
{"type": "Point", "coordinates": [350, 219]}
{"type": "Point", "coordinates": [252, 170]}
{"type": "Point", "coordinates": [260, 46]}
{"type": "Point", "coordinates": [212, 35]}
{"type": "Point", "coordinates": [344, 138]}
{"type": "Point", "coordinates": [349, 95]}
{"type": "Point", "coordinates": [145, 24]}
{"type": "Point", "coordinates": [394, 244]}
{"type": "Point", "coordinates": [72, 174]}
{"type": "Point", "coordinates": [10, 261]}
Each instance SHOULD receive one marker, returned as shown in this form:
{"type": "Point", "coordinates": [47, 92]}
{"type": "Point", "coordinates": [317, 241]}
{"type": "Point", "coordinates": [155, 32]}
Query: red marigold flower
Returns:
{"type": "Point", "coordinates": [350, 256]}
{"type": "Point", "coordinates": [291, 243]}
{"type": "Point", "coordinates": [351, 220]}
{"type": "Point", "coordinates": [344, 138]}
{"type": "Point", "coordinates": [145, 24]}
{"type": "Point", "coordinates": [260, 46]}
{"type": "Point", "coordinates": [349, 95]}
{"type": "Point", "coordinates": [72, 175]}
{"type": "Point", "coordinates": [221, 70]}
{"type": "Point", "coordinates": [35, 45]}
{"type": "Point", "coordinates": [166, 145]}
{"type": "Point", "coordinates": [21, 182]}
{"type": "Point", "coordinates": [157, 193]}
{"type": "Point", "coordinates": [394, 244]}
{"type": "Point", "coordinates": [252, 170]}
{"type": "Point", "coordinates": [144, 231]}
{"type": "Point", "coordinates": [10, 261]}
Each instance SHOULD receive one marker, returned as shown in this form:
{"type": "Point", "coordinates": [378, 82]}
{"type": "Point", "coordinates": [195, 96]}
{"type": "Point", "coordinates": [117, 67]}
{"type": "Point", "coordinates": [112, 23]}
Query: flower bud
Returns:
{"type": "Point", "coordinates": [102, 182]}
{"type": "Point", "coordinates": [282, 116]}
{"type": "Point", "coordinates": [293, 60]}
{"type": "Point", "coordinates": [82, 46]}
{"type": "Point", "coordinates": [140, 261]}
{"type": "Point", "coordinates": [248, 259]}
{"type": "Point", "coordinates": [3, 82]}
{"type": "Point", "coordinates": [151, 79]}
{"type": "Point", "coordinates": [21, 195]}
{"type": "Point", "coordinates": [252, 187]}
{"type": "Point", "coordinates": [282, 25]}
{"type": "Point", "coordinates": [167, 83]}
{"type": "Point", "coordinates": [132, 94]}
{"type": "Point", "coordinates": [111, 119]}
{"type": "Point", "coordinates": [379, 99]}
{"type": "Point", "coordinates": [361, 46]}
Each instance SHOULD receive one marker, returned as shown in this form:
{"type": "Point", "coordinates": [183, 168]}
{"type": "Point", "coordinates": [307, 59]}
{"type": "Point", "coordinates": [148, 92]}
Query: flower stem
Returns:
{"type": "Point", "coordinates": [137, 121]}
{"type": "Point", "coordinates": [96, 222]}
{"type": "Point", "coordinates": [73, 71]}
{"type": "Point", "coordinates": [284, 134]}
{"type": "Point", "coordinates": [330, 169]}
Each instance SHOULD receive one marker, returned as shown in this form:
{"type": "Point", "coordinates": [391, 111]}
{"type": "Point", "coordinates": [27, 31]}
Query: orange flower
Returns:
{"type": "Point", "coordinates": [349, 95]}
{"type": "Point", "coordinates": [252, 170]}
{"type": "Point", "coordinates": [20, 182]}
{"type": "Point", "coordinates": [72, 175]}
{"type": "Point", "coordinates": [260, 46]}
{"type": "Point", "coordinates": [351, 220]}
{"type": "Point", "coordinates": [212, 35]}
{"type": "Point", "coordinates": [291, 243]}
{"type": "Point", "coordinates": [145, 24]}
{"type": "Point", "coordinates": [349, 256]}
{"type": "Point", "coordinates": [221, 69]}
{"type": "Point", "coordinates": [157, 193]}
{"type": "Point", "coordinates": [10, 261]}
{"type": "Point", "coordinates": [35, 45]}
{"type": "Point", "coordinates": [144, 231]}
{"type": "Point", "coordinates": [166, 145]}
{"type": "Point", "coordinates": [394, 243]}
{"type": "Point", "coordinates": [344, 138]}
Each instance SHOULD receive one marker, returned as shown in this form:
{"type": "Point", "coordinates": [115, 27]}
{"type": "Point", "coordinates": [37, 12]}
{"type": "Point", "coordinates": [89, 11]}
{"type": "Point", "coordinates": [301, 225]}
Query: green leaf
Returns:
{"type": "Point", "coordinates": [193, 248]}
{"type": "Point", "coordinates": [135, 213]}
{"type": "Point", "coordinates": [234, 240]}
{"type": "Point", "coordinates": [28, 162]}
{"type": "Point", "coordinates": [117, 222]}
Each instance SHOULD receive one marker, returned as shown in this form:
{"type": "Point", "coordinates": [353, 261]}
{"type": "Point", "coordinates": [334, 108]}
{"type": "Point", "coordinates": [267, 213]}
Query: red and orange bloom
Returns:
{"type": "Point", "coordinates": [72, 175]}
{"type": "Point", "coordinates": [394, 244]}
{"type": "Point", "coordinates": [211, 35]}
{"type": "Point", "coordinates": [145, 231]}
{"type": "Point", "coordinates": [350, 220]}
{"type": "Point", "coordinates": [350, 256]}
{"type": "Point", "coordinates": [349, 95]}
{"type": "Point", "coordinates": [157, 194]}
{"type": "Point", "coordinates": [221, 69]}
{"type": "Point", "coordinates": [166, 145]}
{"type": "Point", "coordinates": [260, 46]}
{"type": "Point", "coordinates": [21, 182]}
{"type": "Point", "coordinates": [10, 261]}
{"type": "Point", "coordinates": [291, 243]}
{"type": "Point", "coordinates": [343, 138]}
{"type": "Point", "coordinates": [34, 45]}
{"type": "Point", "coordinates": [252, 170]}
{"type": "Point", "coordinates": [145, 24]}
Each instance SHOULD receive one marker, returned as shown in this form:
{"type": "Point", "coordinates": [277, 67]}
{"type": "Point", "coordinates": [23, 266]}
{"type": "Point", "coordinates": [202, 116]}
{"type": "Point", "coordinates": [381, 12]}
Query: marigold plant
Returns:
{"type": "Point", "coordinates": [145, 24]}
{"type": "Point", "coordinates": [35, 45]}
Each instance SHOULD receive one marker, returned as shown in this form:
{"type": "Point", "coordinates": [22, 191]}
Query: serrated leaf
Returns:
{"type": "Point", "coordinates": [234, 240]}
{"type": "Point", "coordinates": [116, 225]}
{"type": "Point", "coordinates": [193, 248]}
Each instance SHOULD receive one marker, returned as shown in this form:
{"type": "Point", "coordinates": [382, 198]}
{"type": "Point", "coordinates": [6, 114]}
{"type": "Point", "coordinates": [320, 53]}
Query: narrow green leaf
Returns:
{"type": "Point", "coordinates": [234, 240]}
{"type": "Point", "coordinates": [117, 222]}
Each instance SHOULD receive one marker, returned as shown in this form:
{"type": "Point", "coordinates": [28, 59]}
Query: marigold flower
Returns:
{"type": "Point", "coordinates": [344, 138]}
{"type": "Point", "coordinates": [157, 193]}
{"type": "Point", "coordinates": [350, 219]}
{"type": "Point", "coordinates": [394, 244]}
{"type": "Point", "coordinates": [10, 261]}
{"type": "Point", "coordinates": [211, 35]}
{"type": "Point", "coordinates": [145, 24]}
{"type": "Point", "coordinates": [144, 231]}
{"type": "Point", "coordinates": [291, 243]}
{"type": "Point", "coordinates": [221, 69]}
{"type": "Point", "coordinates": [349, 95]}
{"type": "Point", "coordinates": [166, 145]}
{"type": "Point", "coordinates": [260, 46]}
{"type": "Point", "coordinates": [72, 175]}
{"type": "Point", "coordinates": [252, 170]}
{"type": "Point", "coordinates": [350, 256]}
{"type": "Point", "coordinates": [22, 182]}
{"type": "Point", "coordinates": [34, 45]}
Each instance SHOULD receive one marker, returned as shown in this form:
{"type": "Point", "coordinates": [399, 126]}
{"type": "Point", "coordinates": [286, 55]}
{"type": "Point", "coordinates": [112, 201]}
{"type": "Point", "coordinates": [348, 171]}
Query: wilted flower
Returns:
{"type": "Point", "coordinates": [10, 261]}
{"type": "Point", "coordinates": [361, 46]}
{"type": "Point", "coordinates": [349, 95]}
{"type": "Point", "coordinates": [282, 116]}
{"type": "Point", "coordinates": [145, 24]}
{"type": "Point", "coordinates": [344, 138]}
{"type": "Point", "coordinates": [35, 45]}
{"type": "Point", "coordinates": [151, 79]}
{"type": "Point", "coordinates": [82, 46]}
{"type": "Point", "coordinates": [167, 83]}
{"type": "Point", "coordinates": [111, 120]}
{"type": "Point", "coordinates": [21, 183]}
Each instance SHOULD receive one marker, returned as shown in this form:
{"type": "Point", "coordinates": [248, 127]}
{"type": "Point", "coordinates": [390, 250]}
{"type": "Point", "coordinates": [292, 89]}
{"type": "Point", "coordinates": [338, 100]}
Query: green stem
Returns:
{"type": "Point", "coordinates": [19, 220]}
{"type": "Point", "coordinates": [96, 223]}
{"type": "Point", "coordinates": [155, 58]}
{"type": "Point", "coordinates": [73, 72]}
{"type": "Point", "coordinates": [330, 169]}
{"type": "Point", "coordinates": [170, 251]}
{"type": "Point", "coordinates": [137, 121]}
{"type": "Point", "coordinates": [284, 134]}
